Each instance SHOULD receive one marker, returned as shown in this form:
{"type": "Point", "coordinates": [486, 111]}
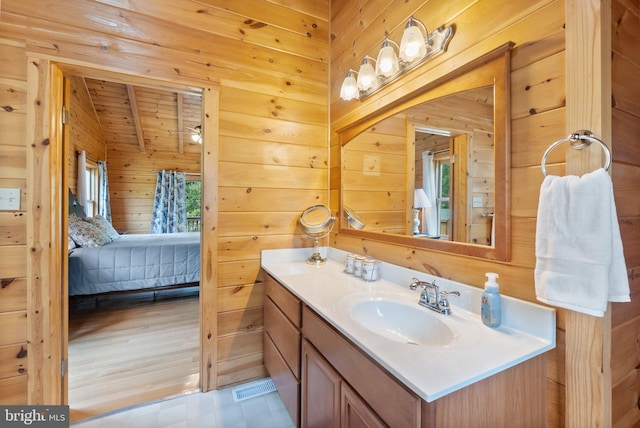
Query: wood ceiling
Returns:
{"type": "Point", "coordinates": [146, 120]}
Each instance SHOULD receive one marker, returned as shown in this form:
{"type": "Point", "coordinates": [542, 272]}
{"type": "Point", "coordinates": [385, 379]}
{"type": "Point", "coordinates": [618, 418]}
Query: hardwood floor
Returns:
{"type": "Point", "coordinates": [131, 350]}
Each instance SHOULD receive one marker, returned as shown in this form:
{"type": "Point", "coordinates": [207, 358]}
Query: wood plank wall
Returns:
{"type": "Point", "coordinates": [85, 131]}
{"type": "Point", "coordinates": [374, 177]}
{"type": "Point", "coordinates": [270, 60]}
{"type": "Point", "coordinates": [625, 320]}
{"type": "Point", "coordinates": [537, 120]}
{"type": "Point", "coordinates": [13, 230]}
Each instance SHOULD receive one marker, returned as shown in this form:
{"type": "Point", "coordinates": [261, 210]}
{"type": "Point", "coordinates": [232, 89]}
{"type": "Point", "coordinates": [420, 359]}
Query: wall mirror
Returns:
{"type": "Point", "coordinates": [432, 170]}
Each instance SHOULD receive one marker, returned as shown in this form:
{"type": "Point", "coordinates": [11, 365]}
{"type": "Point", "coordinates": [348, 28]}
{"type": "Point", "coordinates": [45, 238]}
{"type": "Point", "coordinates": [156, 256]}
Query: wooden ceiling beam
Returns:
{"type": "Point", "coordinates": [136, 117]}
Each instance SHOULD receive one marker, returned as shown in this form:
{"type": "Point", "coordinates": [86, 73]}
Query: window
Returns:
{"type": "Point", "coordinates": [442, 170]}
{"type": "Point", "coordinates": [91, 176]}
{"type": "Point", "coordinates": [194, 198]}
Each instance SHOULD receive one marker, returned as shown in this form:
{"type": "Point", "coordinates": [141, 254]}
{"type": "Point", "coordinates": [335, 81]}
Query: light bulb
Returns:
{"type": "Point", "coordinates": [387, 64]}
{"type": "Point", "coordinates": [349, 89]}
{"type": "Point", "coordinates": [413, 45]}
{"type": "Point", "coordinates": [366, 75]}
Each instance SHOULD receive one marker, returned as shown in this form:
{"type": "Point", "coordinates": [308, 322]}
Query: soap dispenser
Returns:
{"type": "Point", "coordinates": [491, 308]}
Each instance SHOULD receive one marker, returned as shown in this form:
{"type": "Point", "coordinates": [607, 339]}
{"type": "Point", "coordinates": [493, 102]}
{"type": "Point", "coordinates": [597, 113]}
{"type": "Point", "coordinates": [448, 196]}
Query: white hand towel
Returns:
{"type": "Point", "coordinates": [579, 257]}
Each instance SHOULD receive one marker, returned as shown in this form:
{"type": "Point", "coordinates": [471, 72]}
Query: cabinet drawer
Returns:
{"type": "Point", "coordinates": [394, 403]}
{"type": "Point", "coordinates": [288, 386]}
{"type": "Point", "coordinates": [287, 302]}
{"type": "Point", "coordinates": [285, 335]}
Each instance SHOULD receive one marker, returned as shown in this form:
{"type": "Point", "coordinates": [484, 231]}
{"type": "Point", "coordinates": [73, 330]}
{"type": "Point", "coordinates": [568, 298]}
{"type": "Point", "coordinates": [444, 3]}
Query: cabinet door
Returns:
{"type": "Point", "coordinates": [355, 413]}
{"type": "Point", "coordinates": [320, 391]}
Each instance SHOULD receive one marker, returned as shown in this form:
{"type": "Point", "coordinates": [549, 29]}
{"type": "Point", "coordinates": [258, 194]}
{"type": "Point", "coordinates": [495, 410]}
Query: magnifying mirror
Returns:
{"type": "Point", "coordinates": [317, 222]}
{"type": "Point", "coordinates": [353, 219]}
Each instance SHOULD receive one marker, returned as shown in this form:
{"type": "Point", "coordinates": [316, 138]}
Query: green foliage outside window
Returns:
{"type": "Point", "coordinates": [194, 193]}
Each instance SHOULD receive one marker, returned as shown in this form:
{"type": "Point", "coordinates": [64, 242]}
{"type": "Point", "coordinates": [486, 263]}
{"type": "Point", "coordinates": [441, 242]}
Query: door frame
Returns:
{"type": "Point", "coordinates": [47, 301]}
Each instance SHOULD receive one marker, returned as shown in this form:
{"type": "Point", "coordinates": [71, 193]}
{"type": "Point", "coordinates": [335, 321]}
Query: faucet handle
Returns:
{"type": "Point", "coordinates": [415, 283]}
{"type": "Point", "coordinates": [444, 301]}
{"type": "Point", "coordinates": [444, 294]}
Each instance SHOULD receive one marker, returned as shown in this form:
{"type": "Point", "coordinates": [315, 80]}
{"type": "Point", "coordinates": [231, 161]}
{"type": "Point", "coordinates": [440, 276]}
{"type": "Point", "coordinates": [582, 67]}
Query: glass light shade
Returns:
{"type": "Point", "coordinates": [413, 45]}
{"type": "Point", "coordinates": [387, 63]}
{"type": "Point", "coordinates": [349, 89]}
{"type": "Point", "coordinates": [366, 75]}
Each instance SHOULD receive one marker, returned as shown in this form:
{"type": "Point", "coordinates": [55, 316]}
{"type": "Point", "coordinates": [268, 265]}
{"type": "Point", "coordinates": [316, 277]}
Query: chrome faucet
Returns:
{"type": "Point", "coordinates": [431, 297]}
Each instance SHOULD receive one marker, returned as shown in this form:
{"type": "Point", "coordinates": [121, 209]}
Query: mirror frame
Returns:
{"type": "Point", "coordinates": [493, 68]}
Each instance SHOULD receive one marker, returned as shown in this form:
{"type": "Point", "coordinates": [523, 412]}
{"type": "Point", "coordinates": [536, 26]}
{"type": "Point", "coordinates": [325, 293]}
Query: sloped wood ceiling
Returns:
{"type": "Point", "coordinates": [139, 119]}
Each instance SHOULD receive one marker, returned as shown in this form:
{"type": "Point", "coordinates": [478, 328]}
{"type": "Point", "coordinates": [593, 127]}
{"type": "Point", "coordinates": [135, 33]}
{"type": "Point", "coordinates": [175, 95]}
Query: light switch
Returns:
{"type": "Point", "coordinates": [10, 199]}
{"type": "Point", "coordinates": [477, 202]}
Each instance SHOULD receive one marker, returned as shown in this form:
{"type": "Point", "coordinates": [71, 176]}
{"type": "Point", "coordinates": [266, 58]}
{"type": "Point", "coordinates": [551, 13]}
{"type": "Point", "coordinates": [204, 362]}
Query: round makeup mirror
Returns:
{"type": "Point", "coordinates": [317, 222]}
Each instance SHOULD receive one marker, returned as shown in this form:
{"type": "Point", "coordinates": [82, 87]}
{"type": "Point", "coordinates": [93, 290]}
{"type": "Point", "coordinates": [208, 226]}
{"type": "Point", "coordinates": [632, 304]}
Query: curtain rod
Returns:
{"type": "Point", "coordinates": [438, 151]}
{"type": "Point", "coordinates": [186, 173]}
{"type": "Point", "coordinates": [88, 157]}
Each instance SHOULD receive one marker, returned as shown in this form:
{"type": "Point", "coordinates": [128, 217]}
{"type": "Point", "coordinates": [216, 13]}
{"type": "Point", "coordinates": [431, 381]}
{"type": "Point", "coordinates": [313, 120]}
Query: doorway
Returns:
{"type": "Point", "coordinates": [47, 195]}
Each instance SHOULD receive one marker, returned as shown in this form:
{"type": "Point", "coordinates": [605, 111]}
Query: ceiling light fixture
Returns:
{"type": "Point", "coordinates": [196, 134]}
{"type": "Point", "coordinates": [416, 47]}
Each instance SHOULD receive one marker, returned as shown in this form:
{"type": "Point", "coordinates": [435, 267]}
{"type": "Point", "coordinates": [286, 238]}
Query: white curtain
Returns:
{"type": "Point", "coordinates": [81, 186]}
{"type": "Point", "coordinates": [429, 215]}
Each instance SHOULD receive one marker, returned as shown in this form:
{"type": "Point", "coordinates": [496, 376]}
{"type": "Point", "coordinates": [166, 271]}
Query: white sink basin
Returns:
{"type": "Point", "coordinates": [403, 323]}
{"type": "Point", "coordinates": [399, 318]}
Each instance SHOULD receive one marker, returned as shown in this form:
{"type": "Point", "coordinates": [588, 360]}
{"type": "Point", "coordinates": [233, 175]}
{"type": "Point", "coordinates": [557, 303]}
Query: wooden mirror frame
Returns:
{"type": "Point", "coordinates": [493, 68]}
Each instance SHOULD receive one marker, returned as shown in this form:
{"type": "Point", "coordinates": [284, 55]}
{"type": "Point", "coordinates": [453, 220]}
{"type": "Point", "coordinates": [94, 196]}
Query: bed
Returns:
{"type": "Point", "coordinates": [102, 261]}
{"type": "Point", "coordinates": [135, 263]}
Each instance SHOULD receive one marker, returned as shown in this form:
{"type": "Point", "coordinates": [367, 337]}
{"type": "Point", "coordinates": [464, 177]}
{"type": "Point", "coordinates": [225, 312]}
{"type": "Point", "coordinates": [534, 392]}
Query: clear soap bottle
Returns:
{"type": "Point", "coordinates": [491, 308]}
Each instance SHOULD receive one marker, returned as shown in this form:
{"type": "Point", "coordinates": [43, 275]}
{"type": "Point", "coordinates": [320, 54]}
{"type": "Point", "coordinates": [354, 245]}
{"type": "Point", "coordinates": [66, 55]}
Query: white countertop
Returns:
{"type": "Point", "coordinates": [527, 329]}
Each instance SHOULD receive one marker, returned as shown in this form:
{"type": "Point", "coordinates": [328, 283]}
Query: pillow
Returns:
{"type": "Point", "coordinates": [86, 234]}
{"type": "Point", "coordinates": [104, 226]}
{"type": "Point", "coordinates": [71, 244]}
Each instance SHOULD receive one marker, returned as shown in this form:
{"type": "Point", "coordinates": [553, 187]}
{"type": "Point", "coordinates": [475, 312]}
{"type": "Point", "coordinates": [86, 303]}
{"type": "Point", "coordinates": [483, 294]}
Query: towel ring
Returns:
{"type": "Point", "coordinates": [579, 140]}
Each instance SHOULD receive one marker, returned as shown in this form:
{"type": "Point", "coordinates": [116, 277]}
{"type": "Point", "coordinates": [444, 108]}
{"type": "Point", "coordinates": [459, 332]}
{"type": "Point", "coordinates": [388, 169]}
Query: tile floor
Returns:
{"type": "Point", "coordinates": [214, 409]}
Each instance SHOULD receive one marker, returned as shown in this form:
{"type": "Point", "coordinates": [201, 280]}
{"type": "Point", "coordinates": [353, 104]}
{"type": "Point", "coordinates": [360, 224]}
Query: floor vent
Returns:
{"type": "Point", "coordinates": [253, 389]}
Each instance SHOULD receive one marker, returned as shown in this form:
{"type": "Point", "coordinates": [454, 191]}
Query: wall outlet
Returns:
{"type": "Point", "coordinates": [477, 202]}
{"type": "Point", "coordinates": [10, 199]}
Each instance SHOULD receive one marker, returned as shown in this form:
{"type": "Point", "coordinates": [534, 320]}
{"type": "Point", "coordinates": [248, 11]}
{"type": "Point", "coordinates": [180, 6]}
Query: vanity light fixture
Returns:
{"type": "Point", "coordinates": [415, 48]}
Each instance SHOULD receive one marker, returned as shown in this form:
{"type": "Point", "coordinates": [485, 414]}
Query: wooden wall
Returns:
{"type": "Point", "coordinates": [13, 230]}
{"type": "Point", "coordinates": [537, 120]}
{"type": "Point", "coordinates": [85, 131]}
{"type": "Point", "coordinates": [625, 321]}
{"type": "Point", "coordinates": [270, 61]}
{"type": "Point", "coordinates": [375, 179]}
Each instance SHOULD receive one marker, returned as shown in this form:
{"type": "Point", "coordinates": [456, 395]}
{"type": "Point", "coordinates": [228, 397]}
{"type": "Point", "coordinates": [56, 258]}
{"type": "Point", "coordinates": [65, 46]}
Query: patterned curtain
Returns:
{"type": "Point", "coordinates": [104, 203]}
{"type": "Point", "coordinates": [169, 207]}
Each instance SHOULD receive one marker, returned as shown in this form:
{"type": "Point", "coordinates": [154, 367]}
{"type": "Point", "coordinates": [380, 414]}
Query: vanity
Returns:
{"type": "Point", "coordinates": [346, 352]}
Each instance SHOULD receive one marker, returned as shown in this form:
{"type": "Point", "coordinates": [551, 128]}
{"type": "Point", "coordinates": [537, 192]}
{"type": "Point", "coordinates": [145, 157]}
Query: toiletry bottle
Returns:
{"type": "Point", "coordinates": [491, 302]}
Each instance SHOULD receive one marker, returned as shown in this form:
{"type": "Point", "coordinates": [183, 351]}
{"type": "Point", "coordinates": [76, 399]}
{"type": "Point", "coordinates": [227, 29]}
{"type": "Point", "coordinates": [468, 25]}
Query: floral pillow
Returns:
{"type": "Point", "coordinates": [71, 244]}
{"type": "Point", "coordinates": [104, 226]}
{"type": "Point", "coordinates": [86, 234]}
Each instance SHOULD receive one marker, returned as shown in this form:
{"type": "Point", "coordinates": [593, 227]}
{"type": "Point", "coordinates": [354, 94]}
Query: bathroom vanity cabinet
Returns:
{"type": "Point", "coordinates": [326, 380]}
{"type": "Point", "coordinates": [282, 340]}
